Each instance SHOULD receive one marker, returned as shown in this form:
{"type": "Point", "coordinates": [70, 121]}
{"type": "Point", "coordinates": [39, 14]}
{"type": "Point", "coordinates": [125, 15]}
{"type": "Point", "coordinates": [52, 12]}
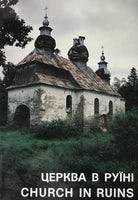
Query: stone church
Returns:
{"type": "Point", "coordinates": [47, 86]}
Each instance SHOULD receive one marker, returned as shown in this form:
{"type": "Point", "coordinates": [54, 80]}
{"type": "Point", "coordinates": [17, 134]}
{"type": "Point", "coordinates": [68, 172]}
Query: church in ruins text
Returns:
{"type": "Point", "coordinates": [48, 87]}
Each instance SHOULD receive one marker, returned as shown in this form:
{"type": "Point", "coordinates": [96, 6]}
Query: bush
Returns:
{"type": "Point", "coordinates": [125, 128]}
{"type": "Point", "coordinates": [57, 129]}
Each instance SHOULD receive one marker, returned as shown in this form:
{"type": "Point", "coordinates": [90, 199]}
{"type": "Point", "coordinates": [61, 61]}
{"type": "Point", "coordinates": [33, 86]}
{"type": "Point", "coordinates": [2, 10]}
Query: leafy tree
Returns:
{"type": "Point", "coordinates": [13, 30]}
{"type": "Point", "coordinates": [2, 57]}
{"type": "Point", "coordinates": [3, 103]}
{"type": "Point", "coordinates": [9, 72]}
{"type": "Point", "coordinates": [118, 83]}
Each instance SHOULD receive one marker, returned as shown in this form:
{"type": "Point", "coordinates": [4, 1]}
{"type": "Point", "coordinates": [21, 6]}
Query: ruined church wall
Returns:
{"type": "Point", "coordinates": [47, 103]}
{"type": "Point", "coordinates": [90, 119]}
{"type": "Point", "coordinates": [24, 96]}
{"type": "Point", "coordinates": [118, 103]}
{"type": "Point", "coordinates": [54, 103]}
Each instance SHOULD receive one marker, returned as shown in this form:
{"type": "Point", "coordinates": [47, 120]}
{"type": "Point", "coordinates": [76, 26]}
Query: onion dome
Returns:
{"type": "Point", "coordinates": [79, 51]}
{"type": "Point", "coordinates": [102, 63]}
{"type": "Point", "coordinates": [44, 40]}
{"type": "Point", "coordinates": [103, 71]}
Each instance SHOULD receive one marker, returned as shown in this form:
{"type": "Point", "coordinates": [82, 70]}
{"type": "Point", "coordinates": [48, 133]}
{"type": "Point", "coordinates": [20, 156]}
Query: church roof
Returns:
{"type": "Point", "coordinates": [87, 80]}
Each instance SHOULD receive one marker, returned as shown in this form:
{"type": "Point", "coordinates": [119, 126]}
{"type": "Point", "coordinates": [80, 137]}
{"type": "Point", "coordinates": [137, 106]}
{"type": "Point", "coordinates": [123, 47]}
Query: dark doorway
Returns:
{"type": "Point", "coordinates": [22, 117]}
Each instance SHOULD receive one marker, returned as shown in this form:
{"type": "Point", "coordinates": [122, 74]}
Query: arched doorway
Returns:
{"type": "Point", "coordinates": [22, 117]}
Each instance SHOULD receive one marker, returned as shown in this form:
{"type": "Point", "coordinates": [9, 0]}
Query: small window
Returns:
{"type": "Point", "coordinates": [68, 104]}
{"type": "Point", "coordinates": [96, 106]}
{"type": "Point", "coordinates": [110, 108]}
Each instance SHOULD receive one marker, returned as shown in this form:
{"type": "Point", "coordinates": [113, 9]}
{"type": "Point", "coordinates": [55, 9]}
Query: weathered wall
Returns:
{"type": "Point", "coordinates": [25, 96]}
{"type": "Point", "coordinates": [103, 103]}
{"type": "Point", "coordinates": [90, 119]}
{"type": "Point", "coordinates": [47, 103]}
{"type": "Point", "coordinates": [54, 103]}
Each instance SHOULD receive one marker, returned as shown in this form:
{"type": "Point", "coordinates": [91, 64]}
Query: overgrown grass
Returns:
{"type": "Point", "coordinates": [51, 148]}
{"type": "Point", "coordinates": [125, 129]}
{"type": "Point", "coordinates": [57, 129]}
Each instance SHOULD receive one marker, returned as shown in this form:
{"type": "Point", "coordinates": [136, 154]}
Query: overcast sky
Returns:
{"type": "Point", "coordinates": [111, 23]}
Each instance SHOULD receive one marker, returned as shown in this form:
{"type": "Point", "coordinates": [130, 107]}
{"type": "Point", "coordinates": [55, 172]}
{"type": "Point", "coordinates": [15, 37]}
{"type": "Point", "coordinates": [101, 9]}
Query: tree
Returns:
{"type": "Point", "coordinates": [13, 30]}
{"type": "Point", "coordinates": [132, 78]}
{"type": "Point", "coordinates": [3, 105]}
{"type": "Point", "coordinates": [9, 73]}
{"type": "Point", "coordinates": [128, 89]}
{"type": "Point", "coordinates": [119, 83]}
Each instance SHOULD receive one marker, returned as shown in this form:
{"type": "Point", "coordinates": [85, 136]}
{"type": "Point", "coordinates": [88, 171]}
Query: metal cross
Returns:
{"type": "Point", "coordinates": [102, 49]}
{"type": "Point", "coordinates": [46, 8]}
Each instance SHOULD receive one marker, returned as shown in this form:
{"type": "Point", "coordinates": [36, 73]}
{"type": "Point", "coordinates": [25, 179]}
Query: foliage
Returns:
{"type": "Point", "coordinates": [128, 89]}
{"type": "Point", "coordinates": [119, 83]}
{"type": "Point", "coordinates": [55, 129]}
{"type": "Point", "coordinates": [133, 78]}
{"type": "Point", "coordinates": [125, 128]}
{"type": "Point", "coordinates": [27, 157]}
{"type": "Point", "coordinates": [9, 72]}
{"type": "Point", "coordinates": [3, 103]}
{"type": "Point", "coordinates": [13, 30]}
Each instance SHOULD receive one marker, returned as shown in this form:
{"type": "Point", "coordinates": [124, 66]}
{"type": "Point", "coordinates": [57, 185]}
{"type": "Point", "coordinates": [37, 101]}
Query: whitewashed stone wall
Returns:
{"type": "Point", "coordinates": [21, 96]}
{"type": "Point", "coordinates": [47, 103]}
{"type": "Point", "coordinates": [118, 103]}
{"type": "Point", "coordinates": [54, 102]}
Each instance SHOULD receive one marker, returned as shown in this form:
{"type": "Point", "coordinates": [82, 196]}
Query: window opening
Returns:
{"type": "Point", "coordinates": [68, 104]}
{"type": "Point", "coordinates": [96, 106]}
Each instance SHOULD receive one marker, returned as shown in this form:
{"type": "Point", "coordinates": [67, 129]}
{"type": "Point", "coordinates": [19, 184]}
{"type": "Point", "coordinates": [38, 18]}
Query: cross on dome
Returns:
{"type": "Point", "coordinates": [46, 8]}
{"type": "Point", "coordinates": [45, 22]}
{"type": "Point", "coordinates": [102, 49]}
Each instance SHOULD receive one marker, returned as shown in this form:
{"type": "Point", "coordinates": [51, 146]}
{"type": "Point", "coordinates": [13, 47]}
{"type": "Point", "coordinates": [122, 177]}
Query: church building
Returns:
{"type": "Point", "coordinates": [47, 86]}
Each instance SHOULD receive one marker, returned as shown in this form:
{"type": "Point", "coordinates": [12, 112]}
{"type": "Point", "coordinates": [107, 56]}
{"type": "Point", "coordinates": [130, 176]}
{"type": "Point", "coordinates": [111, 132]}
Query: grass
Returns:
{"type": "Point", "coordinates": [25, 157]}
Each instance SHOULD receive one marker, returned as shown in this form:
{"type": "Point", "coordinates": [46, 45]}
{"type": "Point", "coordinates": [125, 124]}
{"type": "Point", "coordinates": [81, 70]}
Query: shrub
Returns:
{"type": "Point", "coordinates": [125, 128]}
{"type": "Point", "coordinates": [57, 129]}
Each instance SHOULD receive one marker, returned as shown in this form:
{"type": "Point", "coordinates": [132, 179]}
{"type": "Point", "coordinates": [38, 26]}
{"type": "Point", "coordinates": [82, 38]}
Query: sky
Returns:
{"type": "Point", "coordinates": [109, 23]}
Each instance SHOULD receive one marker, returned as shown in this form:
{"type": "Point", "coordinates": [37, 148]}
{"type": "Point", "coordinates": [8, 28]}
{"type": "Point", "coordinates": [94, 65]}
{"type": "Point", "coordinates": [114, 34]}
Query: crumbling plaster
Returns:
{"type": "Point", "coordinates": [47, 103]}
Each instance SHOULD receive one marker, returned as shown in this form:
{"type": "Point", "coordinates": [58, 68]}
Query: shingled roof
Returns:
{"type": "Point", "coordinates": [87, 80]}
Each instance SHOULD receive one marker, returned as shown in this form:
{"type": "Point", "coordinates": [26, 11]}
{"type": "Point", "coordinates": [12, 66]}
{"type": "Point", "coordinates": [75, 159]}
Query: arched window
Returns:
{"type": "Point", "coordinates": [110, 108]}
{"type": "Point", "coordinates": [68, 104]}
{"type": "Point", "coordinates": [96, 106]}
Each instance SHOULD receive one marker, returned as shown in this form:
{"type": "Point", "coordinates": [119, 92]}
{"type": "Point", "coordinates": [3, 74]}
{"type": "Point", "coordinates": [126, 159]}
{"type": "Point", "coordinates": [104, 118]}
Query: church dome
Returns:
{"type": "Point", "coordinates": [79, 51]}
{"type": "Point", "coordinates": [46, 42]}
